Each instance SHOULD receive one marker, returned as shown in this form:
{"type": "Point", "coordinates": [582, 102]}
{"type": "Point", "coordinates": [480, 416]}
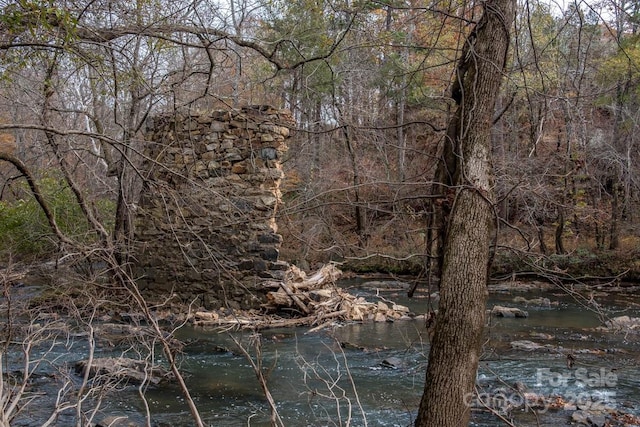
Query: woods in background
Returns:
{"type": "Point", "coordinates": [369, 85]}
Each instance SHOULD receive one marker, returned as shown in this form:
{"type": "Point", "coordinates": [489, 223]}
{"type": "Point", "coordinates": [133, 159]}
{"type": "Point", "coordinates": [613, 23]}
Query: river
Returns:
{"type": "Point", "coordinates": [373, 373]}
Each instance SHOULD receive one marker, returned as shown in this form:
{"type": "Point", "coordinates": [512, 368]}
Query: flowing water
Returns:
{"type": "Point", "coordinates": [373, 373]}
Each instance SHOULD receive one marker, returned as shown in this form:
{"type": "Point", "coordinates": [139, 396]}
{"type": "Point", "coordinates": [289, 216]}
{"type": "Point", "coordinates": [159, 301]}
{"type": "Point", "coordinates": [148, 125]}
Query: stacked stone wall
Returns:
{"type": "Point", "coordinates": [205, 225]}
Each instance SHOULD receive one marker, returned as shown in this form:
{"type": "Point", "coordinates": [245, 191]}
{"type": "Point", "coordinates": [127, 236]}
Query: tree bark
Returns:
{"type": "Point", "coordinates": [456, 346]}
{"type": "Point", "coordinates": [614, 229]}
{"type": "Point", "coordinates": [560, 232]}
{"type": "Point", "coordinates": [543, 244]}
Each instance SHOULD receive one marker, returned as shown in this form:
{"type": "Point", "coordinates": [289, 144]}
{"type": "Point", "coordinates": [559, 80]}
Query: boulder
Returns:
{"type": "Point", "coordinates": [580, 417]}
{"type": "Point", "coordinates": [501, 311]}
{"type": "Point", "coordinates": [351, 346]}
{"type": "Point", "coordinates": [526, 345]}
{"type": "Point", "coordinates": [589, 418]}
{"type": "Point", "coordinates": [623, 322]}
{"type": "Point", "coordinates": [392, 362]}
{"type": "Point", "coordinates": [541, 335]}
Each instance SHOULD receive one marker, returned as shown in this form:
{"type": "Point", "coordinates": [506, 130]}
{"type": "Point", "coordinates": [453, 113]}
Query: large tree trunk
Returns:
{"type": "Point", "coordinates": [456, 345]}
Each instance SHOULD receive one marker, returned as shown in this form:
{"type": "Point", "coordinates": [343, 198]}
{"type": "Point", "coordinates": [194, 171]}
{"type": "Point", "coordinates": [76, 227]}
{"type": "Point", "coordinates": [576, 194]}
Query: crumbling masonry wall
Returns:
{"type": "Point", "coordinates": [205, 225]}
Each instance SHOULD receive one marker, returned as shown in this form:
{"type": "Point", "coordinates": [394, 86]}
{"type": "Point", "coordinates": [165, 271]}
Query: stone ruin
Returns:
{"type": "Point", "coordinates": [205, 225]}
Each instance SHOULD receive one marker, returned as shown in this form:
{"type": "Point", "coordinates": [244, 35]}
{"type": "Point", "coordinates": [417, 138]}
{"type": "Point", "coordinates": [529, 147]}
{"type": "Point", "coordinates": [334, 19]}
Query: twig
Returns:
{"type": "Point", "coordinates": [257, 369]}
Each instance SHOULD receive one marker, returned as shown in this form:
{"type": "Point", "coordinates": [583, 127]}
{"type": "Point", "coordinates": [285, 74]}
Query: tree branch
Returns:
{"type": "Point", "coordinates": [35, 190]}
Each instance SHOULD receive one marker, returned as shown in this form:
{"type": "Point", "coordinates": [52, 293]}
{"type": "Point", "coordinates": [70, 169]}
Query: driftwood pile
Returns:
{"type": "Point", "coordinates": [308, 301]}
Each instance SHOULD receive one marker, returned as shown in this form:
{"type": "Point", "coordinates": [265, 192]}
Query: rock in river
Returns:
{"type": "Point", "coordinates": [526, 345]}
{"type": "Point", "coordinates": [392, 362]}
{"type": "Point", "coordinates": [131, 371]}
{"type": "Point", "coordinates": [589, 418]}
{"type": "Point", "coordinates": [624, 323]}
{"type": "Point", "coordinates": [501, 311]}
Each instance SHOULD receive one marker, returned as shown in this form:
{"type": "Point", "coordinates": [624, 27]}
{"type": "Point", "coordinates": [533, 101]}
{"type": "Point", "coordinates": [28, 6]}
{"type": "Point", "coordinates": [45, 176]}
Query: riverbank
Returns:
{"type": "Point", "coordinates": [580, 265]}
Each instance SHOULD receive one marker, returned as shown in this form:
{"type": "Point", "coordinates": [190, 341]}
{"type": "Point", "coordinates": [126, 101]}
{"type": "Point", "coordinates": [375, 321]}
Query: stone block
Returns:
{"type": "Point", "coordinates": [270, 254]}
{"type": "Point", "coordinates": [233, 156]}
{"type": "Point", "coordinates": [268, 153]}
{"type": "Point", "coordinates": [270, 238]}
{"type": "Point", "coordinates": [212, 165]}
{"type": "Point", "coordinates": [239, 168]}
{"type": "Point", "coordinates": [279, 266]}
{"type": "Point", "coordinates": [217, 126]}
{"type": "Point", "coordinates": [245, 265]}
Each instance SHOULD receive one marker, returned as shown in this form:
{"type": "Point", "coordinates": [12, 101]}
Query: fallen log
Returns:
{"type": "Point", "coordinates": [328, 273]}
{"type": "Point", "coordinates": [278, 299]}
{"type": "Point", "coordinates": [295, 299]}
